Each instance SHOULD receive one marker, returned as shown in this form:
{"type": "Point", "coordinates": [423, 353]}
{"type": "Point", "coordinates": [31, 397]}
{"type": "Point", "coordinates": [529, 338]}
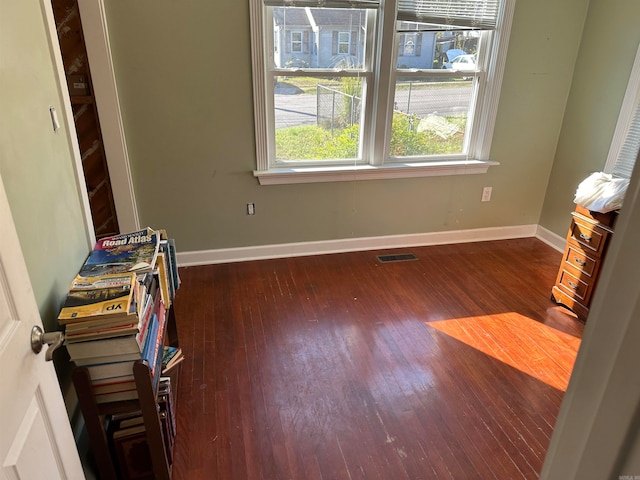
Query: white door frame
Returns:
{"type": "Point", "coordinates": [597, 424]}
{"type": "Point", "coordinates": [96, 36]}
{"type": "Point", "coordinates": [67, 117]}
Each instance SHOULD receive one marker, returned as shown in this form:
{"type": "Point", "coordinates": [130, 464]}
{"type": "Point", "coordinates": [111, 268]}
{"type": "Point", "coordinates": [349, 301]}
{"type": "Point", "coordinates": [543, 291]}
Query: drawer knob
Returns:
{"type": "Point", "coordinates": [580, 262]}
{"type": "Point", "coordinates": [586, 238]}
{"type": "Point", "coordinates": [573, 285]}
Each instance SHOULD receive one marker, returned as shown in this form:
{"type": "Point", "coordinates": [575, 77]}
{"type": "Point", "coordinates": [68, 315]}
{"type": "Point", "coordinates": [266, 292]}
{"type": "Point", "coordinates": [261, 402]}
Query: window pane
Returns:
{"type": "Point", "coordinates": [296, 42]}
{"type": "Point", "coordinates": [344, 40]}
{"type": "Point", "coordinates": [434, 49]}
{"type": "Point", "coordinates": [430, 117]}
{"type": "Point", "coordinates": [410, 44]}
{"type": "Point", "coordinates": [317, 118]}
{"type": "Point", "coordinates": [319, 37]}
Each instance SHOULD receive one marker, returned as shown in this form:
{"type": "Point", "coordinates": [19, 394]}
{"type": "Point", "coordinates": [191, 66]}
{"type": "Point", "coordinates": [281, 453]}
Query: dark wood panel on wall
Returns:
{"type": "Point", "coordinates": [94, 162]}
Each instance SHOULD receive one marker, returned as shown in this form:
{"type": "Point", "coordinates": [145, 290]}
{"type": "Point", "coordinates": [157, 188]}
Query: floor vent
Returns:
{"type": "Point", "coordinates": [398, 257]}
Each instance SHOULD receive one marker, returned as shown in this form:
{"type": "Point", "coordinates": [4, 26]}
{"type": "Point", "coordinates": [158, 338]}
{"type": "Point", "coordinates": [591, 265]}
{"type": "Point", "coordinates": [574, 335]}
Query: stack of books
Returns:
{"type": "Point", "coordinates": [114, 313]}
{"type": "Point", "coordinates": [171, 357]}
{"type": "Point", "coordinates": [128, 439]}
{"type": "Point", "coordinates": [127, 434]}
{"type": "Point", "coordinates": [167, 415]}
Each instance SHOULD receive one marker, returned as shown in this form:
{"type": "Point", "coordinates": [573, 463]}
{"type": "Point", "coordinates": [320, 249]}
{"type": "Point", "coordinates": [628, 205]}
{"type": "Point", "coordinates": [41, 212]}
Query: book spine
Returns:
{"type": "Point", "coordinates": [146, 317]}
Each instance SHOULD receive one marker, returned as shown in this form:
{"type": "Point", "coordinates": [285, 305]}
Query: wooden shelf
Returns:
{"type": "Point", "coordinates": [147, 385]}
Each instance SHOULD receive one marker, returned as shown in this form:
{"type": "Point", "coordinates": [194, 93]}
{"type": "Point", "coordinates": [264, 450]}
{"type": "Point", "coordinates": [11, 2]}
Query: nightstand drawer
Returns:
{"type": "Point", "coordinates": [574, 286]}
{"type": "Point", "coordinates": [587, 241]}
{"type": "Point", "coordinates": [591, 237]}
{"type": "Point", "coordinates": [580, 261]}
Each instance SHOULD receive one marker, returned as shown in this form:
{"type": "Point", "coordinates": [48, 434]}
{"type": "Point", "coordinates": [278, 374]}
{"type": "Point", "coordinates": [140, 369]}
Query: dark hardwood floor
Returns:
{"type": "Point", "coordinates": [340, 367]}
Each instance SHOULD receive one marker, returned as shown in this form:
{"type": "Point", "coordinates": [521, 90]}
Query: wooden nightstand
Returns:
{"type": "Point", "coordinates": [587, 242]}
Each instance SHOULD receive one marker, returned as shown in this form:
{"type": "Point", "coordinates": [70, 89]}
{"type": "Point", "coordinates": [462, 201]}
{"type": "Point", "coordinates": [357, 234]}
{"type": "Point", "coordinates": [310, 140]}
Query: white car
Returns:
{"type": "Point", "coordinates": [450, 55]}
{"type": "Point", "coordinates": [464, 63]}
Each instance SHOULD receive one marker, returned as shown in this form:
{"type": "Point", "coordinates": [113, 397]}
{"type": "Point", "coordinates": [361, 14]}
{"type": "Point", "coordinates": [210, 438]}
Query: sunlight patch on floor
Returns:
{"type": "Point", "coordinates": [529, 346]}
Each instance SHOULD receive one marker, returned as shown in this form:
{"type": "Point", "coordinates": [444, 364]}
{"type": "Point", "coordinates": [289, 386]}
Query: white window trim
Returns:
{"type": "Point", "coordinates": [412, 43]}
{"type": "Point", "coordinates": [271, 175]}
{"type": "Point", "coordinates": [345, 173]}
{"type": "Point", "coordinates": [629, 105]}
{"type": "Point", "coordinates": [301, 42]}
{"type": "Point", "coordinates": [347, 43]}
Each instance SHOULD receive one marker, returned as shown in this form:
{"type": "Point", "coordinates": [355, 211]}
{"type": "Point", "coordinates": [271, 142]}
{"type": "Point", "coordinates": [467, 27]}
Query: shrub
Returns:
{"type": "Point", "coordinates": [316, 143]}
{"type": "Point", "coordinates": [407, 141]}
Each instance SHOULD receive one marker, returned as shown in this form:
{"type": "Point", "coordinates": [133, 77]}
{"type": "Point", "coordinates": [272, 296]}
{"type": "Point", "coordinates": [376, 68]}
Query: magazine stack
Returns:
{"type": "Point", "coordinates": [114, 312]}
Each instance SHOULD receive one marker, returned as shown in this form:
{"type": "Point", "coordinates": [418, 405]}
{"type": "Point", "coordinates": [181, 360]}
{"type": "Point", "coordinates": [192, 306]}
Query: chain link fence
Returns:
{"type": "Point", "coordinates": [336, 109]}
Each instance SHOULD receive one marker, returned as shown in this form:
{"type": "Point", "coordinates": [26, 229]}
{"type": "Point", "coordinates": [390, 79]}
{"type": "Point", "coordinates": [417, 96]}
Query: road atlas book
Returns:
{"type": "Point", "coordinates": [127, 252]}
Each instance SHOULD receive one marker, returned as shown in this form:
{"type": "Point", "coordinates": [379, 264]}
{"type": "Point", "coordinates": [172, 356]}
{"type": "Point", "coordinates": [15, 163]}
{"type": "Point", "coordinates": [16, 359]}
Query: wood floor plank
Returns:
{"type": "Point", "coordinates": [338, 366]}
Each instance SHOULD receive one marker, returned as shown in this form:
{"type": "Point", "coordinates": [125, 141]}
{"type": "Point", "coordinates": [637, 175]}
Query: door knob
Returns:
{"type": "Point", "coordinates": [40, 338]}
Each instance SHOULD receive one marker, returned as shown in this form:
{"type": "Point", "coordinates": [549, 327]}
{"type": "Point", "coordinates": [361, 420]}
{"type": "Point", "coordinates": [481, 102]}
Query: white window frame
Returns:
{"type": "Point", "coordinates": [376, 164]}
{"type": "Point", "coordinates": [296, 42]}
{"type": "Point", "coordinates": [410, 40]}
{"type": "Point", "coordinates": [347, 43]}
{"type": "Point", "coordinates": [623, 150]}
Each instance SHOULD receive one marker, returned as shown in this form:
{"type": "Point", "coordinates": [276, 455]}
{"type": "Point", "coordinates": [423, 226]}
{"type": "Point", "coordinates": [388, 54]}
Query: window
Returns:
{"type": "Point", "coordinates": [409, 47]}
{"type": "Point", "coordinates": [296, 42]}
{"type": "Point", "coordinates": [377, 95]}
{"type": "Point", "coordinates": [344, 41]}
{"type": "Point", "coordinates": [626, 139]}
{"type": "Point", "coordinates": [409, 40]}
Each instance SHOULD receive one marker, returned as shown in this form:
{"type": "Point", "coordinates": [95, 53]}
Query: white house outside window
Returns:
{"type": "Point", "coordinates": [354, 107]}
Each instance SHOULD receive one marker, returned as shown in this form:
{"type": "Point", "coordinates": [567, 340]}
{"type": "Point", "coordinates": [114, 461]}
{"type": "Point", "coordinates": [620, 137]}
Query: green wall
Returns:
{"type": "Point", "coordinates": [36, 164]}
{"type": "Point", "coordinates": [609, 44]}
{"type": "Point", "coordinates": [184, 77]}
{"type": "Point", "coordinates": [37, 168]}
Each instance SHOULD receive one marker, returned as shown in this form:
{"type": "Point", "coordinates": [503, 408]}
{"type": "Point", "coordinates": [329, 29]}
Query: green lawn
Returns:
{"type": "Point", "coordinates": [309, 84]}
{"type": "Point", "coordinates": [316, 143]}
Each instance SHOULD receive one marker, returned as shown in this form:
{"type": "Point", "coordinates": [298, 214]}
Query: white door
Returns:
{"type": "Point", "coordinates": [35, 440]}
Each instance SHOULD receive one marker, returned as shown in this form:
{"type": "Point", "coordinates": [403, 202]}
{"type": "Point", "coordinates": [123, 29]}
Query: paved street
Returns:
{"type": "Point", "coordinates": [295, 110]}
{"type": "Point", "coordinates": [301, 109]}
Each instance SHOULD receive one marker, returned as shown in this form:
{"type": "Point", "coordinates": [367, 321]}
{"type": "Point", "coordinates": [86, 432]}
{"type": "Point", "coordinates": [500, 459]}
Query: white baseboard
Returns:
{"type": "Point", "coordinates": [552, 239]}
{"type": "Point", "coordinates": [262, 252]}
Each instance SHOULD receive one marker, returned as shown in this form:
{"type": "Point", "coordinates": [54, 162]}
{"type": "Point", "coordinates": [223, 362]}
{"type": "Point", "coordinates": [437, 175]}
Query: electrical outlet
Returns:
{"type": "Point", "coordinates": [251, 209]}
{"type": "Point", "coordinates": [486, 194]}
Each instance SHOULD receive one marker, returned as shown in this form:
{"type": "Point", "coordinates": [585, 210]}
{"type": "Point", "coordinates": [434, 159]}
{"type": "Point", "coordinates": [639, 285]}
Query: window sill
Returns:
{"type": "Point", "coordinates": [333, 173]}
